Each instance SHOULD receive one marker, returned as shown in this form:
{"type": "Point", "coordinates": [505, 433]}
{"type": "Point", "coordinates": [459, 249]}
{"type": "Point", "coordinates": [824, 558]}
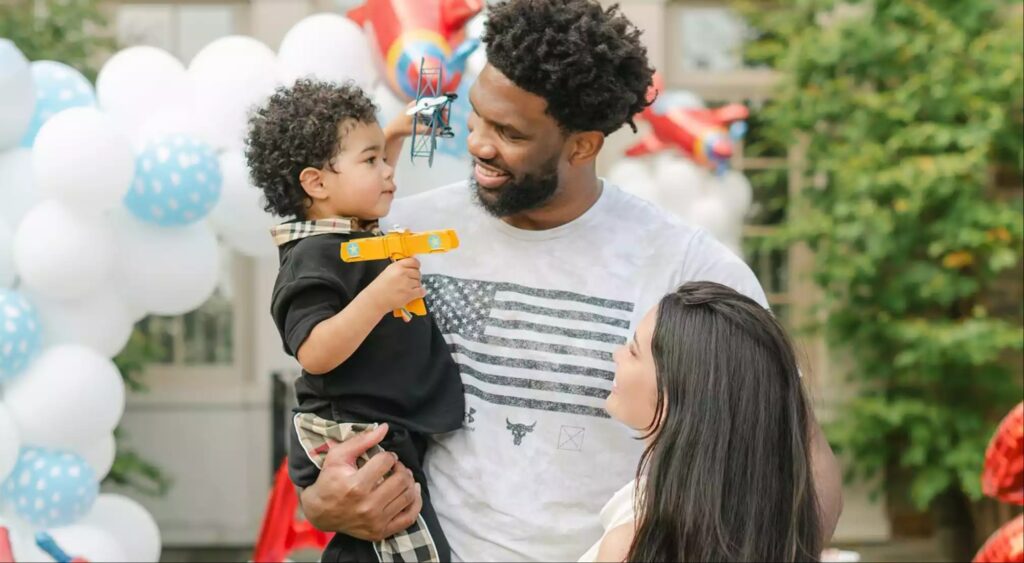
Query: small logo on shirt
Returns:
{"type": "Point", "coordinates": [570, 438]}
{"type": "Point", "coordinates": [519, 431]}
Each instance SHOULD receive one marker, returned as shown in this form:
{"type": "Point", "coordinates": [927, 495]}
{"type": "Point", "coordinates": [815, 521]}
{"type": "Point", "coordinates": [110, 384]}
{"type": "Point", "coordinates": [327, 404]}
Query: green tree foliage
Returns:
{"type": "Point", "coordinates": [908, 107]}
{"type": "Point", "coordinates": [73, 32]}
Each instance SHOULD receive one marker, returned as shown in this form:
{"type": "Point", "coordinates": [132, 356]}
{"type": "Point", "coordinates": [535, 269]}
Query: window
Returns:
{"type": "Point", "coordinates": [704, 52]}
{"type": "Point", "coordinates": [211, 337]}
{"type": "Point", "coordinates": [181, 29]}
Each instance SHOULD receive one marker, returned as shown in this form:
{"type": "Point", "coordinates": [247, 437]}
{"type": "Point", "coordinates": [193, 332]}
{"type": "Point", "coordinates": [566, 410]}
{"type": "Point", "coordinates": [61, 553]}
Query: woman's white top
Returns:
{"type": "Point", "coordinates": [616, 512]}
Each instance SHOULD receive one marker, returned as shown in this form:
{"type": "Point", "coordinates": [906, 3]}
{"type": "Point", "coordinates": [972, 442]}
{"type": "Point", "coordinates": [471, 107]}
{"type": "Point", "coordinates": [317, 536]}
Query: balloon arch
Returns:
{"type": "Point", "coordinates": [116, 201]}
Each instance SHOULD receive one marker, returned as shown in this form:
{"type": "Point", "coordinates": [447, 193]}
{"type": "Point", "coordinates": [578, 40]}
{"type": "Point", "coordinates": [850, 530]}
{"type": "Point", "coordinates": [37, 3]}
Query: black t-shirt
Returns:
{"type": "Point", "coordinates": [402, 373]}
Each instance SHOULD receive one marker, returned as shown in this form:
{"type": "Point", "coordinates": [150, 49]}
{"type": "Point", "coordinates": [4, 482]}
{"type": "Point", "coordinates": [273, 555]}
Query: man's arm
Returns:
{"type": "Point", "coordinates": [362, 503]}
{"type": "Point", "coordinates": [828, 481]}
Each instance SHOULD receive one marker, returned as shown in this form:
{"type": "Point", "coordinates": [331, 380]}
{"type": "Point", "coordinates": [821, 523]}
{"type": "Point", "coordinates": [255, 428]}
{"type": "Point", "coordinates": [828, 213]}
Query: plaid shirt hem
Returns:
{"type": "Point", "coordinates": [315, 434]}
{"type": "Point", "coordinates": [287, 232]}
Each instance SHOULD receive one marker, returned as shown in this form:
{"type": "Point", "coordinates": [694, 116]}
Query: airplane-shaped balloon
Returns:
{"type": "Point", "coordinates": [431, 109]}
{"type": "Point", "coordinates": [403, 33]}
{"type": "Point", "coordinates": [705, 136]}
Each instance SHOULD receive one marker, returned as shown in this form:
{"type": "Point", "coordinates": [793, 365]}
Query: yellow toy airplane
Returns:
{"type": "Point", "coordinates": [396, 245]}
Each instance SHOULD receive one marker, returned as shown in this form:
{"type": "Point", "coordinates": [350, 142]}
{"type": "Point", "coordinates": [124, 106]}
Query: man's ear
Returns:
{"type": "Point", "coordinates": [312, 180]}
{"type": "Point", "coordinates": [584, 147]}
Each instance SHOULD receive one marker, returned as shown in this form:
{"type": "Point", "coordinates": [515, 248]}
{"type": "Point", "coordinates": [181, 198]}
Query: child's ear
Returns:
{"type": "Point", "coordinates": [312, 180]}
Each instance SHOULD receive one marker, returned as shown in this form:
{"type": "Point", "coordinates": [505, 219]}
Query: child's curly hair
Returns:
{"type": "Point", "coordinates": [298, 128]}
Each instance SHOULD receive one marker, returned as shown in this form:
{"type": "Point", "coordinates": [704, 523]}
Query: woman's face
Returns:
{"type": "Point", "coordinates": [634, 396]}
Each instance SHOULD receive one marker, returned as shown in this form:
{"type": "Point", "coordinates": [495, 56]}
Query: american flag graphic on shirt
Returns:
{"type": "Point", "coordinates": [530, 348]}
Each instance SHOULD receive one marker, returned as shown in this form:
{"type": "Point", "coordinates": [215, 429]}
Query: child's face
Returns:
{"type": "Point", "coordinates": [358, 182]}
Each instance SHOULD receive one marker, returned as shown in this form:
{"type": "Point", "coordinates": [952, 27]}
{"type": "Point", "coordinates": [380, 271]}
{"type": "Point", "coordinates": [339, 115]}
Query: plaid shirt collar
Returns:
{"type": "Point", "coordinates": [295, 230]}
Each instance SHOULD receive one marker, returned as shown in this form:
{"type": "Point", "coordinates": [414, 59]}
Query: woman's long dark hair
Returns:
{"type": "Point", "coordinates": [727, 475]}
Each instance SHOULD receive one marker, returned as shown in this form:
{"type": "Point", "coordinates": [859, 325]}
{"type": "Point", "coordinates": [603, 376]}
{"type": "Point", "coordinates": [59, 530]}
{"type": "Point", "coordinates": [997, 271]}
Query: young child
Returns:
{"type": "Point", "coordinates": [319, 156]}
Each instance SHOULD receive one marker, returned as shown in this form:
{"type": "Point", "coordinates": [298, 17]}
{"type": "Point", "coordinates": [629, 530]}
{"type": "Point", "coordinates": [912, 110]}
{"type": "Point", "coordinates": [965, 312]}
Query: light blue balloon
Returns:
{"type": "Point", "coordinates": [20, 334]}
{"type": "Point", "coordinates": [458, 119]}
{"type": "Point", "coordinates": [177, 181]}
{"type": "Point", "coordinates": [58, 87]}
{"type": "Point", "coordinates": [49, 488]}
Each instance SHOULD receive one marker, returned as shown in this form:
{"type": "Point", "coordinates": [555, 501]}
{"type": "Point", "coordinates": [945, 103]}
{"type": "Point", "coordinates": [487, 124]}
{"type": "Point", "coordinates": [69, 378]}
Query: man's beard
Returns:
{"type": "Point", "coordinates": [517, 196]}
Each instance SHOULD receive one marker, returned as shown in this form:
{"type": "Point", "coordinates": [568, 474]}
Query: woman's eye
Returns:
{"type": "Point", "coordinates": [372, 160]}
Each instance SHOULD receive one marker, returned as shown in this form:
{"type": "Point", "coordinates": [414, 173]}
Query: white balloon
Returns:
{"type": "Point", "coordinates": [17, 194]}
{"type": "Point", "coordinates": [6, 255]}
{"type": "Point", "coordinates": [179, 118]}
{"type": "Point", "coordinates": [711, 214]}
{"type": "Point", "coordinates": [17, 94]}
{"type": "Point", "coordinates": [255, 243]}
{"type": "Point", "coordinates": [89, 543]}
{"type": "Point", "coordinates": [167, 271]}
{"type": "Point", "coordinates": [680, 183]}
{"type": "Point", "coordinates": [101, 320]}
{"type": "Point", "coordinates": [22, 536]}
{"type": "Point", "coordinates": [128, 521]}
{"type": "Point", "coordinates": [228, 78]}
{"type": "Point", "coordinates": [82, 158]}
{"type": "Point", "coordinates": [137, 81]}
{"type": "Point", "coordinates": [10, 443]}
{"type": "Point", "coordinates": [61, 255]}
{"type": "Point", "coordinates": [240, 206]}
{"type": "Point", "coordinates": [99, 454]}
{"type": "Point", "coordinates": [416, 177]}
{"type": "Point", "coordinates": [389, 106]}
{"type": "Point", "coordinates": [327, 47]}
{"type": "Point", "coordinates": [70, 396]}
{"type": "Point", "coordinates": [736, 192]}
{"type": "Point", "coordinates": [476, 62]}
{"type": "Point", "coordinates": [634, 176]}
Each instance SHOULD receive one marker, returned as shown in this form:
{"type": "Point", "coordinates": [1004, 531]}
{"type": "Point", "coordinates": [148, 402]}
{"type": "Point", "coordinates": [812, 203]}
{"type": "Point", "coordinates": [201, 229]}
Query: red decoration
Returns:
{"type": "Point", "coordinates": [282, 532]}
{"type": "Point", "coordinates": [1003, 476]}
{"type": "Point", "coordinates": [1007, 544]}
{"type": "Point", "coordinates": [404, 32]}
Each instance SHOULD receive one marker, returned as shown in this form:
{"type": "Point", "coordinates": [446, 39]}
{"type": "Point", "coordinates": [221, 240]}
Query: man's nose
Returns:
{"type": "Point", "coordinates": [480, 147]}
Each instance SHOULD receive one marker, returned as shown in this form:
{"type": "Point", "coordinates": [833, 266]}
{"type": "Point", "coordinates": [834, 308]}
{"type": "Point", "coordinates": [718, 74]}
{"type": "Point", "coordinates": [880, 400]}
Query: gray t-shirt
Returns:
{"type": "Point", "coordinates": [532, 319]}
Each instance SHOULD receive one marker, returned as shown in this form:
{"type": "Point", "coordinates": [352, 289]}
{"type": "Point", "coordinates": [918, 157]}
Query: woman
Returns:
{"type": "Point", "coordinates": [711, 380]}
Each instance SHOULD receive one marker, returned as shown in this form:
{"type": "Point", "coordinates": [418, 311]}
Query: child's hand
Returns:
{"type": "Point", "coordinates": [397, 286]}
{"type": "Point", "coordinates": [401, 126]}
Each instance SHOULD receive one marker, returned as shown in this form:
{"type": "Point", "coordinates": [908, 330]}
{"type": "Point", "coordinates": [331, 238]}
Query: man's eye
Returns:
{"type": "Point", "coordinates": [372, 160]}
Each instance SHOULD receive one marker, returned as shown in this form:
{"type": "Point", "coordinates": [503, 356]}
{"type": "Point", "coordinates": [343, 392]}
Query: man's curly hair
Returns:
{"type": "Point", "coordinates": [586, 61]}
{"type": "Point", "coordinates": [295, 129]}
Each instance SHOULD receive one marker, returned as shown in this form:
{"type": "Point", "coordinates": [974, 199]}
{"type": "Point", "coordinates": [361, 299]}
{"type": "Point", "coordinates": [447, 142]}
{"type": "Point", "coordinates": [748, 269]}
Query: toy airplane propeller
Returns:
{"type": "Point", "coordinates": [430, 109]}
{"type": "Point", "coordinates": [396, 245]}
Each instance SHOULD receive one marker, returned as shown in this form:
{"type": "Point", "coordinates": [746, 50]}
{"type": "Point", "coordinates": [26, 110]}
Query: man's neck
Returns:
{"type": "Point", "coordinates": [572, 199]}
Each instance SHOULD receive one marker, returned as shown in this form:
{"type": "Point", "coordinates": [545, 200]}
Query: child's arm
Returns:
{"type": "Point", "coordinates": [333, 340]}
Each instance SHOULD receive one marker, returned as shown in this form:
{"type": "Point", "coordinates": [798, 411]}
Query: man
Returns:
{"type": "Point", "coordinates": [555, 269]}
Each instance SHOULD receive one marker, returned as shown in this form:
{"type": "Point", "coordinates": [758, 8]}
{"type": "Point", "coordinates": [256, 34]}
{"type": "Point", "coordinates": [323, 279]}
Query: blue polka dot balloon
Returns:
{"type": "Point", "coordinates": [58, 87]}
{"type": "Point", "coordinates": [20, 334]}
{"type": "Point", "coordinates": [50, 488]}
{"type": "Point", "coordinates": [177, 181]}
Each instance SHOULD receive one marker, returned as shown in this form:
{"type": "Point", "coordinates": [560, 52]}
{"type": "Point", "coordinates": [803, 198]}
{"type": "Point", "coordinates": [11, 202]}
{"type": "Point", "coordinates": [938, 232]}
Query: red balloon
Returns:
{"type": "Point", "coordinates": [1003, 475]}
{"type": "Point", "coordinates": [1006, 544]}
